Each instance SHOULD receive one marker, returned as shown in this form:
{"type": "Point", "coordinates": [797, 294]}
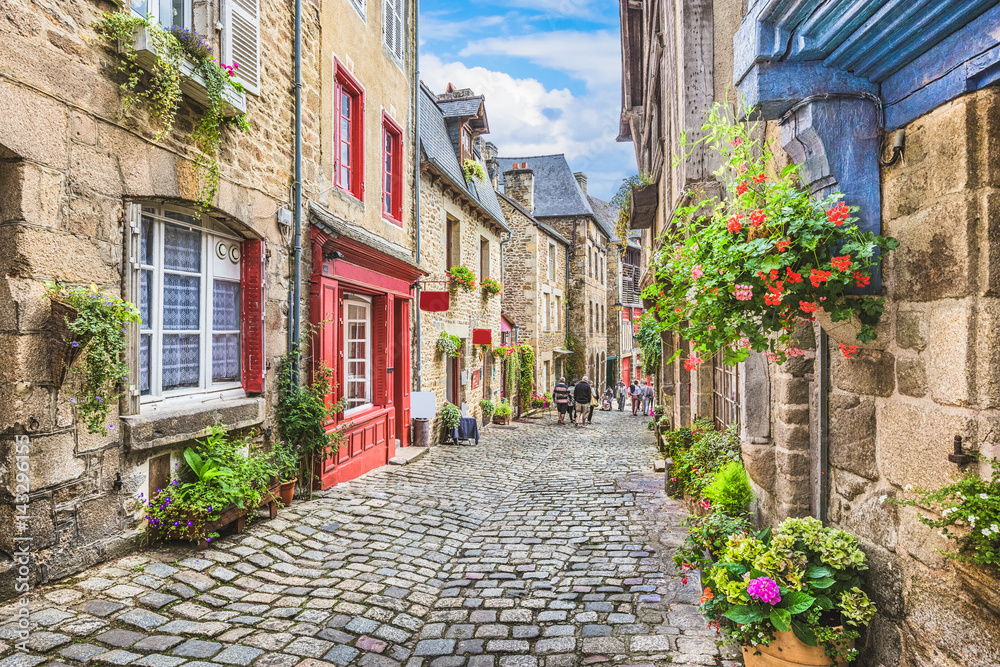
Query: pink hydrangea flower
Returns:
{"type": "Point", "coordinates": [696, 271]}
{"type": "Point", "coordinates": [764, 589]}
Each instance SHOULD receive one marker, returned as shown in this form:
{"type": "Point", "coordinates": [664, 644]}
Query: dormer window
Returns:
{"type": "Point", "coordinates": [466, 144]}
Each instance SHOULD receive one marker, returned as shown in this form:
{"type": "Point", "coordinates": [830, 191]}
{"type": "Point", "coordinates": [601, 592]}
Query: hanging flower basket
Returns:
{"type": "Point", "coordinates": [462, 276]}
{"type": "Point", "coordinates": [64, 345]}
{"type": "Point", "coordinates": [491, 287]}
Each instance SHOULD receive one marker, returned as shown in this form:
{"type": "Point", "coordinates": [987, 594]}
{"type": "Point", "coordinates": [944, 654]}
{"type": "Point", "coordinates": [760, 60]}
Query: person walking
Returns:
{"type": "Point", "coordinates": [571, 403]}
{"type": "Point", "coordinates": [583, 394]}
{"type": "Point", "coordinates": [620, 391]}
{"type": "Point", "coordinates": [633, 392]}
{"type": "Point", "coordinates": [561, 393]}
{"type": "Point", "coordinates": [648, 395]}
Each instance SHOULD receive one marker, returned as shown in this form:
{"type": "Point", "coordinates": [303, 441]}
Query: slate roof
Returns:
{"type": "Point", "coordinates": [556, 191]}
{"type": "Point", "coordinates": [605, 214]}
{"type": "Point", "coordinates": [541, 225]}
{"type": "Point", "coordinates": [436, 147]}
{"type": "Point", "coordinates": [466, 106]}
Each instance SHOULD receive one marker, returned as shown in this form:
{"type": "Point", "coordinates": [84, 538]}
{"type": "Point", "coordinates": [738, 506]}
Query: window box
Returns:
{"type": "Point", "coordinates": [192, 84]}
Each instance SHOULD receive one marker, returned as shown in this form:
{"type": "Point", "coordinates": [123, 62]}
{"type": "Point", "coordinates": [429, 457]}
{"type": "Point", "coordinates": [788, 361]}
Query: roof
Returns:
{"type": "Point", "coordinates": [436, 147]}
{"type": "Point", "coordinates": [541, 225]}
{"type": "Point", "coordinates": [605, 214]}
{"type": "Point", "coordinates": [466, 106]}
{"type": "Point", "coordinates": [556, 191]}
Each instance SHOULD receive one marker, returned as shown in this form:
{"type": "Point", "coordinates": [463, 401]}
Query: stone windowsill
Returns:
{"type": "Point", "coordinates": [186, 422]}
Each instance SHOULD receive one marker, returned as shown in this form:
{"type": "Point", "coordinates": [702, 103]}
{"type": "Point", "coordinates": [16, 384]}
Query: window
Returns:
{"type": "Point", "coordinates": [484, 258]}
{"type": "Point", "coordinates": [189, 300]}
{"type": "Point", "coordinates": [348, 152]}
{"type": "Point", "coordinates": [392, 27]}
{"type": "Point", "coordinates": [558, 311]}
{"type": "Point", "coordinates": [546, 314]}
{"type": "Point", "coordinates": [360, 5]}
{"type": "Point", "coordinates": [168, 12]}
{"type": "Point", "coordinates": [392, 170]}
{"type": "Point", "coordinates": [725, 393]}
{"type": "Point", "coordinates": [466, 144]}
{"type": "Point", "coordinates": [552, 262]}
{"type": "Point", "coordinates": [452, 243]}
{"type": "Point", "coordinates": [241, 42]}
{"type": "Point", "coordinates": [357, 353]}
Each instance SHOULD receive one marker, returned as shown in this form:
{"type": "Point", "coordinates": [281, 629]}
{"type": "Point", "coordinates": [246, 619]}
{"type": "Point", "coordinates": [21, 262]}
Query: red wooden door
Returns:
{"type": "Point", "coordinates": [627, 370]}
{"type": "Point", "coordinates": [401, 371]}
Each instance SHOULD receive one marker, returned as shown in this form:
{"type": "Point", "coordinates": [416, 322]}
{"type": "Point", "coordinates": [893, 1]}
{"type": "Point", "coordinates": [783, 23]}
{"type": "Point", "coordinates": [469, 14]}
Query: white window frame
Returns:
{"type": "Point", "coordinates": [552, 261]}
{"type": "Point", "coordinates": [555, 316]}
{"type": "Point", "coordinates": [366, 303]}
{"type": "Point", "coordinates": [153, 11]}
{"type": "Point", "coordinates": [209, 271]}
{"type": "Point", "coordinates": [362, 7]}
{"type": "Point", "coordinates": [252, 87]}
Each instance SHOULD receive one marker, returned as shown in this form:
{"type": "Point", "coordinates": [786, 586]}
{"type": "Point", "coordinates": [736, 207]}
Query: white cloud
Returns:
{"type": "Point", "coordinates": [580, 9]}
{"type": "Point", "coordinates": [526, 118]}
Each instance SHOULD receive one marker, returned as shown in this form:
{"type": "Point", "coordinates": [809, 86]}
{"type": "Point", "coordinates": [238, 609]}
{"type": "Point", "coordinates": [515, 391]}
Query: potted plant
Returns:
{"type": "Point", "coordinates": [286, 459]}
{"type": "Point", "coordinates": [86, 319]}
{"type": "Point", "coordinates": [462, 276]}
{"type": "Point", "coordinates": [473, 169]}
{"type": "Point", "coordinates": [488, 407]}
{"type": "Point", "coordinates": [221, 480]}
{"type": "Point", "coordinates": [491, 287]}
{"type": "Point", "coordinates": [451, 417]}
{"type": "Point", "coordinates": [792, 596]}
{"type": "Point", "coordinates": [503, 412]}
{"type": "Point", "coordinates": [448, 345]}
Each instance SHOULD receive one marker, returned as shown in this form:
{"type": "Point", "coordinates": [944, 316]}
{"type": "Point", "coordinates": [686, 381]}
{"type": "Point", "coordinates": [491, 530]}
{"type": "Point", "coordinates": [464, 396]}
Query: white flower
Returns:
{"type": "Point", "coordinates": [972, 520]}
{"type": "Point", "coordinates": [948, 511]}
{"type": "Point", "coordinates": [983, 496]}
{"type": "Point", "coordinates": [995, 528]}
{"type": "Point", "coordinates": [908, 487]}
{"type": "Point", "coordinates": [942, 533]}
{"type": "Point", "coordinates": [881, 499]}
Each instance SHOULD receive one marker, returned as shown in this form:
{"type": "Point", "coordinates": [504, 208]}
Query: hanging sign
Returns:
{"type": "Point", "coordinates": [434, 302]}
{"type": "Point", "coordinates": [482, 336]}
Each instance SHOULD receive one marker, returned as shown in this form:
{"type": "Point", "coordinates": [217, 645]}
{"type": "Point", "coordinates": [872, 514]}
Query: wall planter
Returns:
{"type": "Point", "coordinates": [229, 516]}
{"type": "Point", "coordinates": [498, 419]}
{"type": "Point", "coordinates": [788, 651]}
{"type": "Point", "coordinates": [192, 84]}
{"type": "Point", "coordinates": [62, 351]}
{"type": "Point", "coordinates": [845, 332]}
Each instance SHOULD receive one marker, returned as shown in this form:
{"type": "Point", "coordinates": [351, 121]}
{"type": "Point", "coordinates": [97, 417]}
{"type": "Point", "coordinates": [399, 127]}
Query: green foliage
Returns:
{"type": "Point", "coordinates": [163, 86]}
{"type": "Point", "coordinates": [697, 454]}
{"type": "Point", "coordinates": [527, 377]}
{"type": "Point", "coordinates": [576, 362]}
{"type": "Point", "coordinates": [100, 329]}
{"type": "Point", "coordinates": [741, 271]}
{"type": "Point", "coordinates": [622, 203]}
{"type": "Point", "coordinates": [817, 571]}
{"type": "Point", "coordinates": [286, 460]}
{"type": "Point", "coordinates": [730, 489]}
{"type": "Point", "coordinates": [451, 416]}
{"type": "Point", "coordinates": [488, 408]}
{"type": "Point", "coordinates": [448, 345]}
{"type": "Point", "coordinates": [463, 276]}
{"type": "Point", "coordinates": [503, 409]}
{"type": "Point", "coordinates": [649, 340]}
{"type": "Point", "coordinates": [969, 515]}
{"type": "Point", "coordinates": [706, 537]}
{"type": "Point", "coordinates": [473, 169]}
{"type": "Point", "coordinates": [491, 286]}
{"type": "Point", "coordinates": [305, 409]}
{"type": "Point", "coordinates": [219, 472]}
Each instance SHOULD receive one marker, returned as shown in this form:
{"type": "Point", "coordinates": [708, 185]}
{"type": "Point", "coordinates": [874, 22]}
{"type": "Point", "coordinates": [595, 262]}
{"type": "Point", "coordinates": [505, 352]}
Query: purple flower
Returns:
{"type": "Point", "coordinates": [209, 539]}
{"type": "Point", "coordinates": [176, 523]}
{"type": "Point", "coordinates": [100, 400]}
{"type": "Point", "coordinates": [72, 400]}
{"type": "Point", "coordinates": [189, 523]}
{"type": "Point", "coordinates": [209, 508]}
{"type": "Point", "coordinates": [159, 490]}
{"type": "Point", "coordinates": [75, 344]}
{"type": "Point", "coordinates": [764, 589]}
{"type": "Point", "coordinates": [111, 427]}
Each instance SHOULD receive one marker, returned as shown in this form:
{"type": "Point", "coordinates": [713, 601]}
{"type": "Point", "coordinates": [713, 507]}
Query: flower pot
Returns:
{"type": "Point", "coordinates": [845, 332]}
{"type": "Point", "coordinates": [497, 419]}
{"type": "Point", "coordinates": [287, 491]}
{"type": "Point", "coordinates": [787, 650]}
{"type": "Point", "coordinates": [62, 352]}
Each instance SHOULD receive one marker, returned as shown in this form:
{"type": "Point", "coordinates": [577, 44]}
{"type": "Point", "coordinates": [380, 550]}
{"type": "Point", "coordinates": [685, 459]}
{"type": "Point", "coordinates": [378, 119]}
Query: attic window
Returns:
{"type": "Point", "coordinates": [466, 143]}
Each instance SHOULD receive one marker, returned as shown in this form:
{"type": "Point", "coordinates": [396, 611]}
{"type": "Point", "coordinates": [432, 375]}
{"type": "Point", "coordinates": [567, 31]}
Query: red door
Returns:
{"type": "Point", "coordinates": [627, 370]}
{"type": "Point", "coordinates": [401, 371]}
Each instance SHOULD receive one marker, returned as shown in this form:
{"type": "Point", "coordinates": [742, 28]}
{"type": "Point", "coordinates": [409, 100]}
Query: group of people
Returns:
{"type": "Point", "coordinates": [578, 399]}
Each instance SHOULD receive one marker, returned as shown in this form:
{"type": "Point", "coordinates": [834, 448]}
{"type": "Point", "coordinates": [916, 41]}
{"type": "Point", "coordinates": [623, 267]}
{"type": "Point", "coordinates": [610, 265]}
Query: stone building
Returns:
{"type": "Point", "coordinates": [535, 272]}
{"type": "Point", "coordinates": [549, 190]}
{"type": "Point", "coordinates": [362, 258]}
{"type": "Point", "coordinates": [461, 222]}
{"type": "Point", "coordinates": [89, 196]}
{"type": "Point", "coordinates": [824, 435]}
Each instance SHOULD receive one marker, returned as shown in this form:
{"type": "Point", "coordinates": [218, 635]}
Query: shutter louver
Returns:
{"type": "Point", "coordinates": [389, 24]}
{"type": "Point", "coordinates": [252, 315]}
{"type": "Point", "coordinates": [129, 404]}
{"type": "Point", "coordinates": [243, 43]}
{"type": "Point", "coordinates": [397, 24]}
{"type": "Point", "coordinates": [380, 348]}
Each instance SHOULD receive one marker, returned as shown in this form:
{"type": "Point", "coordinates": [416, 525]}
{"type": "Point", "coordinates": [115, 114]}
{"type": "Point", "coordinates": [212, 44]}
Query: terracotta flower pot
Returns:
{"type": "Point", "coordinates": [287, 491]}
{"type": "Point", "coordinates": [788, 651]}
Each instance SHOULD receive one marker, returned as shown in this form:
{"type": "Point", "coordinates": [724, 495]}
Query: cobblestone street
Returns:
{"type": "Point", "coordinates": [543, 546]}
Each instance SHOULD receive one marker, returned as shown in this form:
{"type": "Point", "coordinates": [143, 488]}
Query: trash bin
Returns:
{"type": "Point", "coordinates": [421, 432]}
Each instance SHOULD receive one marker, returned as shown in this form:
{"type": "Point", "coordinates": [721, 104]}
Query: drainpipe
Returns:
{"type": "Point", "coordinates": [823, 481]}
{"type": "Point", "coordinates": [416, 166]}
{"type": "Point", "coordinates": [510, 235]}
{"type": "Point", "coordinates": [297, 260]}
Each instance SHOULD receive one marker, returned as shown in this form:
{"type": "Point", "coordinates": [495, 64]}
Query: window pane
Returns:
{"type": "Point", "coordinates": [145, 279]}
{"type": "Point", "coordinates": [140, 7]}
{"type": "Point", "coordinates": [225, 306]}
{"type": "Point", "coordinates": [180, 360]}
{"type": "Point", "coordinates": [225, 357]}
{"type": "Point", "coordinates": [181, 248]}
{"type": "Point", "coordinates": [144, 343]}
{"type": "Point", "coordinates": [146, 241]}
{"type": "Point", "coordinates": [181, 303]}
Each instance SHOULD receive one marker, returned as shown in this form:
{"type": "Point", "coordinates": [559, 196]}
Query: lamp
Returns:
{"type": "Point", "coordinates": [618, 306]}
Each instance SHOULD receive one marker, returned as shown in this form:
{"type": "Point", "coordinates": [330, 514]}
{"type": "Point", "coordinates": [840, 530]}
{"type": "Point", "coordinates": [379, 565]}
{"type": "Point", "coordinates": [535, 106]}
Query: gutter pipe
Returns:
{"type": "Point", "coordinates": [416, 170]}
{"type": "Point", "coordinates": [823, 481]}
{"type": "Point", "coordinates": [295, 315]}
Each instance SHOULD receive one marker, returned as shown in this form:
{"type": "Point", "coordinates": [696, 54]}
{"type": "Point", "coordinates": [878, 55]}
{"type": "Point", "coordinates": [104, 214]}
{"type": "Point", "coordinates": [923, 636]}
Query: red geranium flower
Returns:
{"type": "Point", "coordinates": [741, 188]}
{"type": "Point", "coordinates": [791, 276]}
{"type": "Point", "coordinates": [808, 307]}
{"type": "Point", "coordinates": [760, 178]}
{"type": "Point", "coordinates": [818, 277]}
{"type": "Point", "coordinates": [861, 279]}
{"type": "Point", "coordinates": [841, 263]}
{"type": "Point", "coordinates": [734, 225]}
{"type": "Point", "coordinates": [838, 214]}
{"type": "Point", "coordinates": [757, 217]}
{"type": "Point", "coordinates": [782, 245]}
{"type": "Point", "coordinates": [848, 350]}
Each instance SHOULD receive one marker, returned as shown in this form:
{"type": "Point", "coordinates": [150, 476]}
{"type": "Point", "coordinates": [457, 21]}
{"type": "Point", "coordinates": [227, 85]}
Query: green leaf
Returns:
{"type": "Point", "coordinates": [742, 614]}
{"type": "Point", "coordinates": [193, 460]}
{"type": "Point", "coordinates": [781, 619]}
{"type": "Point", "coordinates": [804, 633]}
{"type": "Point", "coordinates": [818, 571]}
{"type": "Point", "coordinates": [823, 602]}
{"type": "Point", "coordinates": [823, 582]}
{"type": "Point", "coordinates": [797, 602]}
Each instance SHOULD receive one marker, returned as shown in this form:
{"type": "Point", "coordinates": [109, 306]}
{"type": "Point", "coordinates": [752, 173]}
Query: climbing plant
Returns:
{"type": "Point", "coordinates": [527, 379]}
{"type": "Point", "coordinates": [621, 203]}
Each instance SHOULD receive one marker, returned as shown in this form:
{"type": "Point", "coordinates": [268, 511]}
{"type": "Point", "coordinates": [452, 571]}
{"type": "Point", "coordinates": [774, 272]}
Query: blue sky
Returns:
{"type": "Point", "coordinates": [551, 73]}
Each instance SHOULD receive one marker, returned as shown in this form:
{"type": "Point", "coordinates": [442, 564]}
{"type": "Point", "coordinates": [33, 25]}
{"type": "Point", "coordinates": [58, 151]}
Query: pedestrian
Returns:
{"type": "Point", "coordinates": [633, 392]}
{"type": "Point", "coordinates": [561, 393]}
{"type": "Point", "coordinates": [620, 391]}
{"type": "Point", "coordinates": [648, 395]}
{"type": "Point", "coordinates": [593, 403]}
{"type": "Point", "coordinates": [571, 402]}
{"type": "Point", "coordinates": [583, 394]}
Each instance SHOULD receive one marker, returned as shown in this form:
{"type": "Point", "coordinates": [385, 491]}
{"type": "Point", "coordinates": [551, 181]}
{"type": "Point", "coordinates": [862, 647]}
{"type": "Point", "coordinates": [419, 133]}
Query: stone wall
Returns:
{"type": "Point", "coordinates": [468, 310]}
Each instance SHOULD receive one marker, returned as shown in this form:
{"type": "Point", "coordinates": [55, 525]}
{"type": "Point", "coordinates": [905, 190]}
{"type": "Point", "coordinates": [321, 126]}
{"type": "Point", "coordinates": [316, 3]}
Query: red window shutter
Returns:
{"type": "Point", "coordinates": [381, 316]}
{"type": "Point", "coordinates": [252, 315]}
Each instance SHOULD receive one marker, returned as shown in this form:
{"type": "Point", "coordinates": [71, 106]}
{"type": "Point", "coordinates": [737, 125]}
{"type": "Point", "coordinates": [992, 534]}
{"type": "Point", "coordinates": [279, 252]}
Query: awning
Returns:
{"type": "Point", "coordinates": [612, 358]}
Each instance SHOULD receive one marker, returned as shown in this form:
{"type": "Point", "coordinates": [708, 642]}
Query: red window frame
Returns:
{"type": "Point", "coordinates": [349, 177]}
{"type": "Point", "coordinates": [392, 170]}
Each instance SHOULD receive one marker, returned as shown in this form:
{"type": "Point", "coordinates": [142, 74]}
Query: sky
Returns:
{"type": "Point", "coordinates": [551, 73]}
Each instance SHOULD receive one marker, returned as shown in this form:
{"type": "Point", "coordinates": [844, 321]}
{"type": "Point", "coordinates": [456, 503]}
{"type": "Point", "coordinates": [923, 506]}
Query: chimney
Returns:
{"type": "Point", "coordinates": [581, 178]}
{"type": "Point", "coordinates": [519, 185]}
{"type": "Point", "coordinates": [490, 153]}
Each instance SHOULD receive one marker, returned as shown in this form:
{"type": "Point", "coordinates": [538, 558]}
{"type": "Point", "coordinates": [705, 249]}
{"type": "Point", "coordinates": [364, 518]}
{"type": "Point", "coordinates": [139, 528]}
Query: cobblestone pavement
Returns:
{"type": "Point", "coordinates": [543, 546]}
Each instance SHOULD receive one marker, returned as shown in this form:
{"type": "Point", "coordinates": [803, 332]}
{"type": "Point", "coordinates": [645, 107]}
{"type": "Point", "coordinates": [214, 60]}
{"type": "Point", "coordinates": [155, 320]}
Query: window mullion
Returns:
{"type": "Point", "coordinates": [156, 315]}
{"type": "Point", "coordinates": [205, 322]}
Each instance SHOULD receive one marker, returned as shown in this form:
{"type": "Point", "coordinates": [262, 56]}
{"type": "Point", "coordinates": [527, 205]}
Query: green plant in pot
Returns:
{"type": "Point", "coordinates": [792, 596]}
{"type": "Point", "coordinates": [462, 276]}
{"type": "Point", "coordinates": [451, 417]}
{"type": "Point", "coordinates": [448, 344]}
{"type": "Point", "coordinates": [488, 408]}
{"type": "Point", "coordinates": [503, 412]}
{"type": "Point", "coordinates": [286, 459]}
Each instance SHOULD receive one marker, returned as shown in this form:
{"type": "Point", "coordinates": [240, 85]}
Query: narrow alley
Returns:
{"type": "Point", "coordinates": [543, 546]}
